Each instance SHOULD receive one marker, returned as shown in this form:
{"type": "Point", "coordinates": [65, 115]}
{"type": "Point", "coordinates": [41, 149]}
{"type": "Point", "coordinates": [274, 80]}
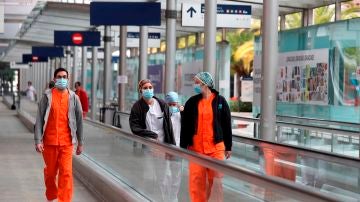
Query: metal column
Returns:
{"type": "Point", "coordinates": [107, 65]}
{"type": "Point", "coordinates": [94, 73]}
{"type": "Point", "coordinates": [269, 67]}
{"type": "Point", "coordinates": [143, 52]}
{"type": "Point", "coordinates": [49, 69]}
{"type": "Point", "coordinates": [305, 18]}
{"type": "Point", "coordinates": [74, 74]}
{"type": "Point", "coordinates": [171, 15]}
{"type": "Point", "coordinates": [42, 79]}
{"type": "Point", "coordinates": [210, 37]}
{"type": "Point", "coordinates": [83, 66]}
{"type": "Point", "coordinates": [61, 61]}
{"type": "Point", "coordinates": [45, 75]}
{"type": "Point", "coordinates": [337, 10]}
{"type": "Point", "coordinates": [55, 64]}
{"type": "Point", "coordinates": [68, 59]}
{"type": "Point", "coordinates": [36, 78]}
{"type": "Point", "coordinates": [122, 67]}
{"type": "Point", "coordinates": [282, 22]}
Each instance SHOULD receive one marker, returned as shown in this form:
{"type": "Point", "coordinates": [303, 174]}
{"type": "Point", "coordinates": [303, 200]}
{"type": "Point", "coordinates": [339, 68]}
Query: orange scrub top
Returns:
{"type": "Point", "coordinates": [57, 130]}
{"type": "Point", "coordinates": [203, 140]}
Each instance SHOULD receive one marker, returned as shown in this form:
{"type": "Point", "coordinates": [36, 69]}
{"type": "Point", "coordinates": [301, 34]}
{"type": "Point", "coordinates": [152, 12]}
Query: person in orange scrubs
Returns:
{"type": "Point", "coordinates": [206, 129]}
{"type": "Point", "coordinates": [58, 126]}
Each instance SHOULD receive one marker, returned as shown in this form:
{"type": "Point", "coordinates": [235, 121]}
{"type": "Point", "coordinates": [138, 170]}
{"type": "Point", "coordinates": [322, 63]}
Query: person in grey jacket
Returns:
{"type": "Point", "coordinates": [59, 125]}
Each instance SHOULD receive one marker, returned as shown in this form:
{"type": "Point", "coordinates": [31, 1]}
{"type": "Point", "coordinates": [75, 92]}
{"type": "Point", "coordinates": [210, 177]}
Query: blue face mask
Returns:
{"type": "Point", "coordinates": [197, 88]}
{"type": "Point", "coordinates": [148, 94]}
{"type": "Point", "coordinates": [174, 109]}
{"type": "Point", "coordinates": [61, 83]}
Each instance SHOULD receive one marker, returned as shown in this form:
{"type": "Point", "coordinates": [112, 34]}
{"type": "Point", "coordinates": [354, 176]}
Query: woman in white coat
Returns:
{"type": "Point", "coordinates": [174, 165]}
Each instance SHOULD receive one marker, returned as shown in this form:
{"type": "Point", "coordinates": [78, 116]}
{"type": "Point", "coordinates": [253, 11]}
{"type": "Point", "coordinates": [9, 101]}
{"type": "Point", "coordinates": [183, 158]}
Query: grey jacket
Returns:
{"type": "Point", "coordinates": [75, 117]}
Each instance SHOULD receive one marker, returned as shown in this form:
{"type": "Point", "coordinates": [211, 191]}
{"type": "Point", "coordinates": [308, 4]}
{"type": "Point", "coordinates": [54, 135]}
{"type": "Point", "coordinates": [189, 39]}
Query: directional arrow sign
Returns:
{"type": "Point", "coordinates": [191, 10]}
{"type": "Point", "coordinates": [228, 15]}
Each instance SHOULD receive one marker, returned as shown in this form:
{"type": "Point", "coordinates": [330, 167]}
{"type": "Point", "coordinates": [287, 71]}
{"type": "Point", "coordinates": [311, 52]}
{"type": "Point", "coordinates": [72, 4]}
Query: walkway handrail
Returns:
{"type": "Point", "coordinates": [319, 128]}
{"type": "Point", "coordinates": [295, 118]}
{"type": "Point", "coordinates": [293, 125]}
{"type": "Point", "coordinates": [305, 151]}
{"type": "Point", "coordinates": [283, 186]}
{"type": "Point", "coordinates": [257, 120]}
{"type": "Point", "coordinates": [321, 121]}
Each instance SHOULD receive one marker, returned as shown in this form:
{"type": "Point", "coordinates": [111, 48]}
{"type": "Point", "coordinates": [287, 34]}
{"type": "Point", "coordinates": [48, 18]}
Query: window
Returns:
{"type": "Point", "coordinates": [181, 42]}
{"type": "Point", "coordinates": [350, 9]}
{"type": "Point", "coordinates": [191, 40]}
{"type": "Point", "coordinates": [324, 14]}
{"type": "Point", "coordinates": [293, 20]}
{"type": "Point", "coordinates": [163, 46]}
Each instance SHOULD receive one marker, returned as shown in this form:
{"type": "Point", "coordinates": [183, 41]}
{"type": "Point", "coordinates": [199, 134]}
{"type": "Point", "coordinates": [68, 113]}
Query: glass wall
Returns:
{"type": "Point", "coordinates": [338, 76]}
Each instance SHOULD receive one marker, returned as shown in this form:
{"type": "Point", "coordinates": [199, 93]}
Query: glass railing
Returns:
{"type": "Point", "coordinates": [320, 135]}
{"type": "Point", "coordinates": [162, 172]}
{"type": "Point", "coordinates": [323, 172]}
{"type": "Point", "coordinates": [327, 173]}
{"type": "Point", "coordinates": [323, 138]}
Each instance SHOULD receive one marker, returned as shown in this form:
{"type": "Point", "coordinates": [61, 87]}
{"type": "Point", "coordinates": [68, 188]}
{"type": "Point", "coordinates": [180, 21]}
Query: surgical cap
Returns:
{"type": "Point", "coordinates": [205, 78]}
{"type": "Point", "coordinates": [172, 97]}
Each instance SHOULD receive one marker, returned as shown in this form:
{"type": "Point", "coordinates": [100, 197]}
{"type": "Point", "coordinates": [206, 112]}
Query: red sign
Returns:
{"type": "Point", "coordinates": [77, 38]}
{"type": "Point", "coordinates": [35, 58]}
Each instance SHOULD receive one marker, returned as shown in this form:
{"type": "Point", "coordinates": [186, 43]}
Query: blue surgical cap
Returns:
{"type": "Point", "coordinates": [172, 97]}
{"type": "Point", "coordinates": [205, 78]}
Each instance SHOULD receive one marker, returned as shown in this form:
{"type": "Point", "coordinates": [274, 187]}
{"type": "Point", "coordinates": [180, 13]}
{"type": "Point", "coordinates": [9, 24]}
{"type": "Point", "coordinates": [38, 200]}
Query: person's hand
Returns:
{"type": "Point", "coordinates": [39, 147]}
{"type": "Point", "coordinates": [227, 154]}
{"type": "Point", "coordinates": [79, 149]}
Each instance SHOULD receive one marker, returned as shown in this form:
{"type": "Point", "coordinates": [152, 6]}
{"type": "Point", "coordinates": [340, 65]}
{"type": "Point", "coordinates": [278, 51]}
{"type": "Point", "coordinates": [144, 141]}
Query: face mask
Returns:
{"type": "Point", "coordinates": [61, 83]}
{"type": "Point", "coordinates": [174, 109]}
{"type": "Point", "coordinates": [197, 88]}
{"type": "Point", "coordinates": [148, 94]}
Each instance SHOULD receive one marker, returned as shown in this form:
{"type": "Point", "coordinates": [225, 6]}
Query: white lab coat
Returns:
{"type": "Point", "coordinates": [155, 119]}
{"type": "Point", "coordinates": [30, 93]}
{"type": "Point", "coordinates": [176, 124]}
{"type": "Point", "coordinates": [167, 172]}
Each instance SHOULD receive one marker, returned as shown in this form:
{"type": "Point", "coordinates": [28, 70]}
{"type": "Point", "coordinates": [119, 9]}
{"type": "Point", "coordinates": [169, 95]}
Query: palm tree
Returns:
{"type": "Point", "coordinates": [293, 20]}
{"type": "Point", "coordinates": [324, 14]}
{"type": "Point", "coordinates": [349, 10]}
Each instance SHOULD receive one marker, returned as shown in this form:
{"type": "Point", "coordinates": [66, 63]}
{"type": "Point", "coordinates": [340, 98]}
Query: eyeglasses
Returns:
{"type": "Point", "coordinates": [61, 77]}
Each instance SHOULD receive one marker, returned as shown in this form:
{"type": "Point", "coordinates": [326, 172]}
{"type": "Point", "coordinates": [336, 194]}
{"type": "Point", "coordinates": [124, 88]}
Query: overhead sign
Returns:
{"type": "Point", "coordinates": [133, 40]}
{"type": "Point", "coordinates": [125, 13]}
{"type": "Point", "coordinates": [228, 15]}
{"type": "Point", "coordinates": [76, 38]}
{"type": "Point", "coordinates": [26, 58]}
{"type": "Point", "coordinates": [14, 65]}
{"type": "Point", "coordinates": [51, 52]}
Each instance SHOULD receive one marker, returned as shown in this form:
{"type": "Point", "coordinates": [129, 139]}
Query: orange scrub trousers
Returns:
{"type": "Point", "coordinates": [58, 149]}
{"type": "Point", "coordinates": [205, 183]}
